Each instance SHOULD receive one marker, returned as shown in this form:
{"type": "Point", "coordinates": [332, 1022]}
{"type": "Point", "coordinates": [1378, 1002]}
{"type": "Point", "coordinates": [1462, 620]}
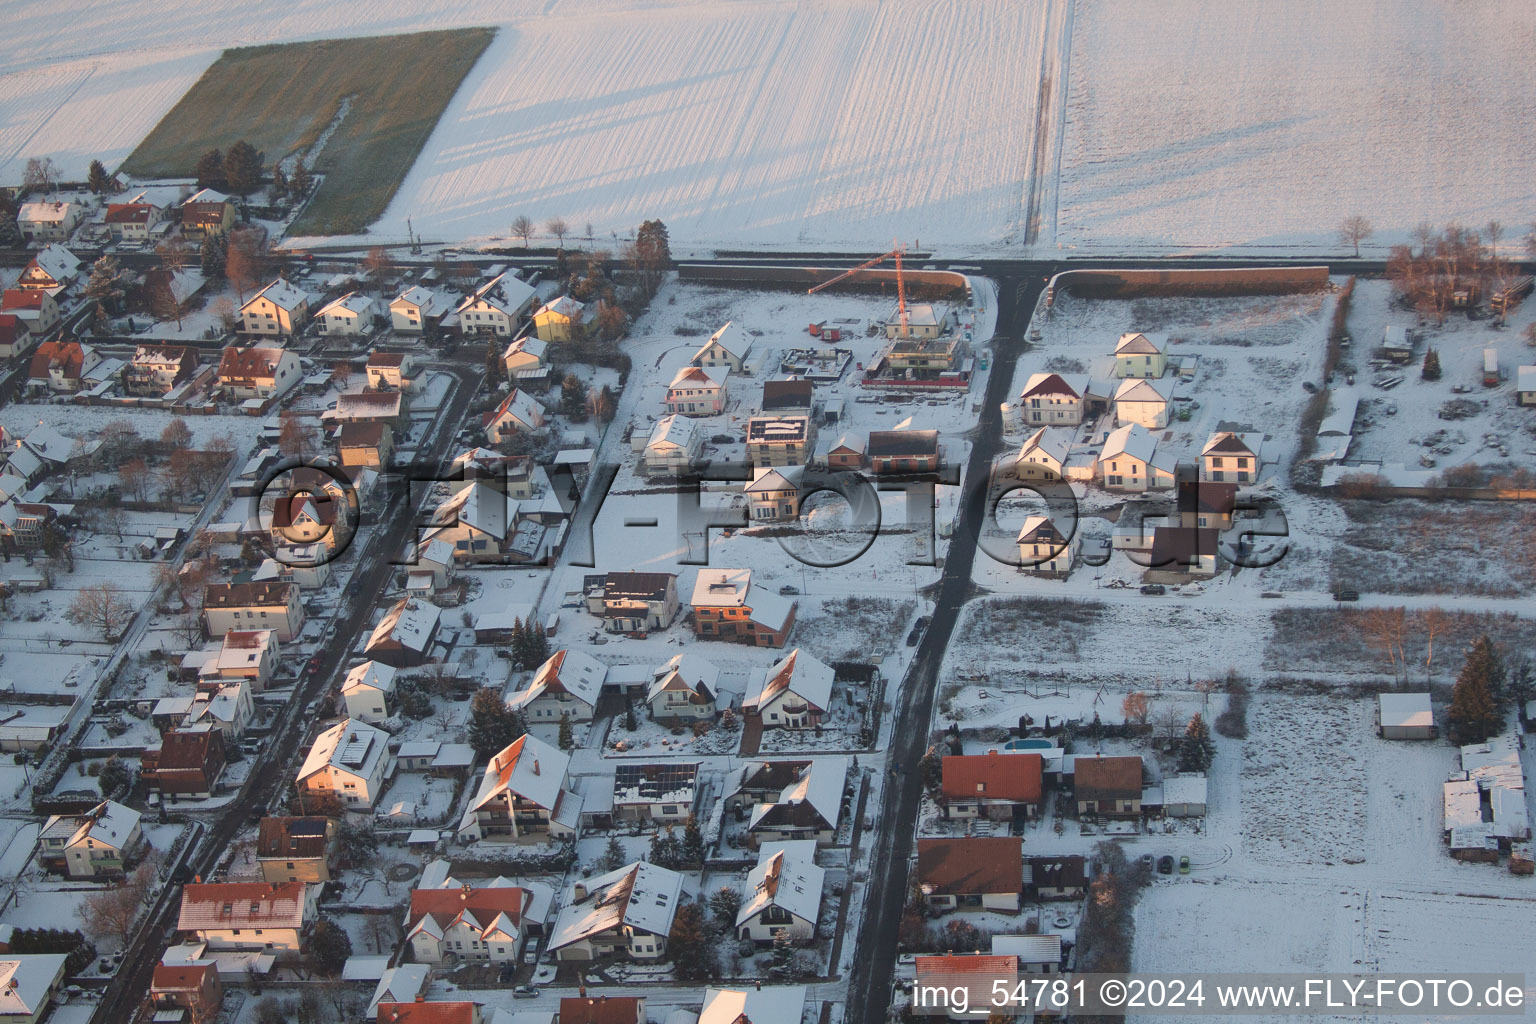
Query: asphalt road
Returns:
{"type": "Point", "coordinates": [269, 778]}
{"type": "Point", "coordinates": [869, 983]}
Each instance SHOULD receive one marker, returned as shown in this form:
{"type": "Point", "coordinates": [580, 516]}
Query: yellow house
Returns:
{"type": "Point", "coordinates": [1141, 355]}
{"type": "Point", "coordinates": [564, 319]}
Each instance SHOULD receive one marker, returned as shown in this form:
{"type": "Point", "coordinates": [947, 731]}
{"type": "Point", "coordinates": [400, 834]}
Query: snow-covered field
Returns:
{"type": "Point", "coordinates": [1264, 126]}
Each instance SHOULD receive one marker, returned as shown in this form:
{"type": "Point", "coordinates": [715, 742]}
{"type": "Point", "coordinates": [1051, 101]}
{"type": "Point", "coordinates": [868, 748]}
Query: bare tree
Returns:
{"type": "Point", "coordinates": [163, 304]}
{"type": "Point", "coordinates": [133, 477]}
{"type": "Point", "coordinates": [1384, 629]}
{"type": "Point", "coordinates": [103, 607]}
{"type": "Point", "coordinates": [297, 437]}
{"type": "Point", "coordinates": [176, 436]}
{"type": "Point", "coordinates": [225, 314]}
{"type": "Point", "coordinates": [1353, 231]}
{"type": "Point", "coordinates": [174, 254]}
{"type": "Point", "coordinates": [1434, 621]}
{"type": "Point", "coordinates": [111, 913]}
{"type": "Point", "coordinates": [378, 266]}
{"type": "Point", "coordinates": [522, 227]}
{"type": "Point", "coordinates": [41, 174]}
{"type": "Point", "coordinates": [559, 229]}
{"type": "Point", "coordinates": [248, 261]}
{"type": "Point", "coordinates": [1136, 707]}
{"type": "Point", "coordinates": [341, 374]}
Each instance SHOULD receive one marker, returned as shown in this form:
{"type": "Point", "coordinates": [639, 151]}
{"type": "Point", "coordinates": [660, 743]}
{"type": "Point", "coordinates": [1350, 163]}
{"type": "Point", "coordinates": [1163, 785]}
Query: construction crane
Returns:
{"type": "Point", "coordinates": [901, 288]}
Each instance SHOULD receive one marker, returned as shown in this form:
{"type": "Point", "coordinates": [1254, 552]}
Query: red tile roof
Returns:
{"type": "Point", "coordinates": [428, 1013]}
{"type": "Point", "coordinates": [1106, 778]}
{"type": "Point", "coordinates": [993, 776]}
{"type": "Point", "coordinates": [221, 905]}
{"type": "Point", "coordinates": [129, 213]}
{"type": "Point", "coordinates": [180, 977]}
{"type": "Point", "coordinates": [23, 298]}
{"type": "Point", "coordinates": [67, 356]}
{"type": "Point", "coordinates": [445, 905]}
{"type": "Point", "coordinates": [600, 1010]}
{"type": "Point", "coordinates": [11, 328]}
{"type": "Point", "coordinates": [968, 866]}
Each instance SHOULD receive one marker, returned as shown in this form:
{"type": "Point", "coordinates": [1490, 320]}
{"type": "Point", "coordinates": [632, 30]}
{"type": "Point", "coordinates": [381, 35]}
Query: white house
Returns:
{"type": "Point", "coordinates": [808, 807]}
{"type": "Point", "coordinates": [526, 358]}
{"type": "Point", "coordinates": [564, 319]}
{"type": "Point", "coordinates": [1044, 549]}
{"type": "Point", "coordinates": [1141, 355]}
{"type": "Point", "coordinates": [1053, 399]}
{"type": "Point", "coordinates": [1142, 401]}
{"type": "Point", "coordinates": [523, 797]}
{"type": "Point", "coordinates": [794, 693]}
{"type": "Point", "coordinates": [349, 761]}
{"type": "Point", "coordinates": [1525, 385]}
{"type": "Point", "coordinates": [1043, 456]}
{"type": "Point", "coordinates": [351, 314]}
{"type": "Point", "coordinates": [773, 495]}
{"type": "Point", "coordinates": [278, 309]}
{"type": "Point", "coordinates": [27, 984]}
{"type": "Point", "coordinates": [1231, 458]}
{"type": "Point", "coordinates": [270, 917]}
{"type": "Point", "coordinates": [417, 308]}
{"type": "Point", "coordinates": [488, 923]}
{"type": "Point", "coordinates": [566, 685]}
{"type": "Point", "coordinates": [728, 347]}
{"type": "Point", "coordinates": [695, 391]}
{"type": "Point", "coordinates": [389, 371]}
{"type": "Point", "coordinates": [766, 1004]}
{"type": "Point", "coordinates": [674, 446]}
{"type": "Point", "coordinates": [1130, 461]}
{"type": "Point", "coordinates": [683, 689]}
{"type": "Point", "coordinates": [53, 269]}
{"type": "Point", "coordinates": [518, 411]}
{"type": "Point", "coordinates": [227, 707]}
{"type": "Point", "coordinates": [258, 372]}
{"type": "Point", "coordinates": [369, 691]}
{"type": "Point", "coordinates": [47, 222]}
{"type": "Point", "coordinates": [1405, 716]}
{"type": "Point", "coordinates": [496, 306]}
{"type": "Point", "coordinates": [783, 893]}
{"type": "Point", "coordinates": [628, 910]}
{"type": "Point", "coordinates": [96, 844]}
{"type": "Point", "coordinates": [405, 635]}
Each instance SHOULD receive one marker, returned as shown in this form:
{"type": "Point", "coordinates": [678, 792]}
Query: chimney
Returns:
{"type": "Point", "coordinates": [582, 990]}
{"type": "Point", "coordinates": [421, 997]}
{"type": "Point", "coordinates": [465, 890]}
{"type": "Point", "coordinates": [535, 766]}
{"type": "Point", "coordinates": [759, 984]}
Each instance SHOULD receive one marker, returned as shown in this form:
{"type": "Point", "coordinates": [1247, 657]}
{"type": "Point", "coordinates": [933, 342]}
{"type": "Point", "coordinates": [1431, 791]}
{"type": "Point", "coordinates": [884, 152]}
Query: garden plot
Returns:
{"type": "Point", "coordinates": [1331, 644]}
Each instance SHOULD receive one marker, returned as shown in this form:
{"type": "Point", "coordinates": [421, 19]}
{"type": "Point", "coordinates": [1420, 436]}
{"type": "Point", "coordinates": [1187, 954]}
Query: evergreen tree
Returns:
{"type": "Point", "coordinates": [1474, 711]}
{"type": "Point", "coordinates": [492, 725]}
{"type": "Point", "coordinates": [651, 254]}
{"type": "Point", "coordinates": [665, 849]}
{"type": "Point", "coordinates": [242, 168]}
{"type": "Point", "coordinates": [329, 946]}
{"type": "Point", "coordinates": [538, 645]}
{"type": "Point", "coordinates": [98, 180]}
{"type": "Point", "coordinates": [210, 170]}
{"type": "Point", "coordinates": [783, 951]}
{"type": "Point", "coordinates": [573, 398]}
{"type": "Point", "coordinates": [518, 643]}
{"type": "Point", "coordinates": [1197, 750]}
{"type": "Point", "coordinates": [613, 855]}
{"type": "Point", "coordinates": [567, 736]}
{"type": "Point", "coordinates": [493, 370]}
{"type": "Point", "coordinates": [211, 259]}
{"type": "Point", "coordinates": [1431, 369]}
{"type": "Point", "coordinates": [658, 854]}
{"type": "Point", "coordinates": [691, 852]}
{"type": "Point", "coordinates": [301, 180]}
{"type": "Point", "coordinates": [932, 768]}
{"type": "Point", "coordinates": [608, 404]}
{"type": "Point", "coordinates": [688, 946]}
{"type": "Point", "coordinates": [629, 714]}
{"type": "Point", "coordinates": [725, 902]}
{"type": "Point", "coordinates": [115, 776]}
{"type": "Point", "coordinates": [279, 182]}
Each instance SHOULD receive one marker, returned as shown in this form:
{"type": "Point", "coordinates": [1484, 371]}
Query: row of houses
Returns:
{"type": "Point", "coordinates": [146, 216]}
{"type": "Point", "coordinates": [1010, 786]}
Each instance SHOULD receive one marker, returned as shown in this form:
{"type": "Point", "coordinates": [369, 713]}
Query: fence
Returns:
{"type": "Point", "coordinates": [1122, 284]}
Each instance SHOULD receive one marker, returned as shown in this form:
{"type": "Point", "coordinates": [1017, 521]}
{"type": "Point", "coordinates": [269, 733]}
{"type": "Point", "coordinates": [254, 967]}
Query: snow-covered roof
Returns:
{"type": "Point", "coordinates": [1133, 440]}
{"type": "Point", "coordinates": [348, 746]}
{"type": "Point", "coordinates": [1137, 389]}
{"type": "Point", "coordinates": [1030, 949]}
{"type": "Point", "coordinates": [1073, 384]}
{"type": "Point", "coordinates": [410, 623]}
{"type": "Point", "coordinates": [207, 195]}
{"type": "Point", "coordinates": [505, 293]}
{"type": "Point", "coordinates": [281, 294]}
{"type": "Point", "coordinates": [820, 785]}
{"type": "Point", "coordinates": [672, 431]}
{"type": "Point", "coordinates": [26, 982]}
{"type": "Point", "coordinates": [431, 303]}
{"type": "Point", "coordinates": [107, 824]}
{"type": "Point", "coordinates": [1226, 442]}
{"type": "Point", "coordinates": [688, 670]}
{"type": "Point", "coordinates": [771, 1004]}
{"type": "Point", "coordinates": [1050, 443]}
{"type": "Point", "coordinates": [721, 588]}
{"type": "Point", "coordinates": [57, 262]}
{"type": "Point", "coordinates": [370, 675]}
{"type": "Point", "coordinates": [731, 338]}
{"type": "Point", "coordinates": [641, 896]}
{"type": "Point", "coordinates": [480, 507]}
{"type": "Point", "coordinates": [45, 212]}
{"type": "Point", "coordinates": [573, 672]}
{"type": "Point", "coordinates": [667, 782]}
{"type": "Point", "coordinates": [1134, 343]}
{"type": "Point", "coordinates": [399, 985]}
{"type": "Point", "coordinates": [565, 306]}
{"type": "Point", "coordinates": [1525, 379]}
{"type": "Point", "coordinates": [528, 345]}
{"type": "Point", "coordinates": [521, 407]}
{"type": "Point", "coordinates": [769, 609]}
{"type": "Point", "coordinates": [775, 478]}
{"type": "Point", "coordinates": [1463, 804]}
{"type": "Point", "coordinates": [1406, 710]}
{"type": "Point", "coordinates": [1185, 788]}
{"type": "Point", "coordinates": [528, 767]}
{"type": "Point", "coordinates": [699, 378]}
{"type": "Point", "coordinates": [356, 303]}
{"type": "Point", "coordinates": [799, 672]}
{"type": "Point", "coordinates": [786, 876]}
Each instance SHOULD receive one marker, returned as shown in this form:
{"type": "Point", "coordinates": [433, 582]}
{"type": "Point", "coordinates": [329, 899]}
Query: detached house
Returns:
{"type": "Point", "coordinates": [188, 993]}
{"type": "Point", "coordinates": [369, 691]}
{"type": "Point", "coordinates": [389, 371]}
{"type": "Point", "coordinates": [903, 451]}
{"type": "Point", "coordinates": [667, 792]}
{"type": "Point", "coordinates": [972, 874]}
{"type": "Point", "coordinates": [1044, 548]}
{"type": "Point", "coordinates": [496, 307]}
{"type": "Point", "coordinates": [249, 916]}
{"type": "Point", "coordinates": [1056, 878]}
{"type": "Point", "coordinates": [1141, 355]}
{"type": "Point", "coordinates": [479, 521]}
{"type": "Point", "coordinates": [419, 310]}
{"type": "Point", "coordinates": [156, 369]}
{"type": "Point", "coordinates": [258, 372]}
{"type": "Point", "coordinates": [1054, 399]}
{"type": "Point", "coordinates": [684, 689]}
{"type": "Point", "coordinates": [695, 391]}
{"type": "Point", "coordinates": [633, 602]}
{"type": "Point", "coordinates": [567, 686]}
{"type": "Point", "coordinates": [97, 844]}
{"type": "Point", "coordinates": [1180, 553]}
{"type": "Point", "coordinates": [474, 924]}
{"type": "Point", "coordinates": [278, 309]}
{"type": "Point", "coordinates": [523, 797]}
{"type": "Point", "coordinates": [1147, 402]}
{"type": "Point", "coordinates": [1231, 458]}
{"type": "Point", "coordinates": [52, 270]}
{"type": "Point", "coordinates": [297, 849]}
{"type": "Point", "coordinates": [367, 407]}
{"type": "Point", "coordinates": [602, 1010]}
{"type": "Point", "coordinates": [1107, 787]}
{"type": "Point", "coordinates": [772, 1004]}
{"type": "Point", "coordinates": [405, 635]}
{"type": "Point", "coordinates": [727, 606]}
{"type": "Point", "coordinates": [517, 412]}
{"type": "Point", "coordinates": [526, 359]}
{"type": "Point", "coordinates": [774, 494]}
{"type": "Point", "coordinates": [1043, 456]}
{"type": "Point", "coordinates": [269, 604]}
{"type": "Point", "coordinates": [248, 656]}
{"type": "Point", "coordinates": [132, 222]}
{"type": "Point", "coordinates": [61, 365]}
{"type": "Point", "coordinates": [1206, 506]}
{"type": "Point", "coordinates": [186, 764]}
{"type": "Point", "coordinates": [367, 445]}
{"type": "Point", "coordinates": [846, 453]}
{"type": "Point", "coordinates": [47, 221]}
{"type": "Point", "coordinates": [1130, 461]}
{"type": "Point", "coordinates": [783, 893]}
{"type": "Point", "coordinates": [208, 214]}
{"type": "Point", "coordinates": [350, 315]}
{"type": "Point", "coordinates": [34, 307]}
{"type": "Point", "coordinates": [673, 448]}
{"type": "Point", "coordinates": [628, 911]}
{"type": "Point", "coordinates": [810, 807]}
{"type": "Point", "coordinates": [794, 693]}
{"type": "Point", "coordinates": [727, 348]}
{"type": "Point", "coordinates": [15, 338]}
{"type": "Point", "coordinates": [1001, 787]}
{"type": "Point", "coordinates": [780, 440]}
{"type": "Point", "coordinates": [349, 761]}
{"type": "Point", "coordinates": [564, 320]}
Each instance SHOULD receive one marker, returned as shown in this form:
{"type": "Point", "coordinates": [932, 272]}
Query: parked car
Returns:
{"type": "Point", "coordinates": [1309, 387]}
{"type": "Point", "coordinates": [1147, 860]}
{"type": "Point", "coordinates": [525, 992]}
{"type": "Point", "coordinates": [1154, 589]}
{"type": "Point", "coordinates": [917, 629]}
{"type": "Point", "coordinates": [1184, 865]}
{"type": "Point", "coordinates": [788, 591]}
{"type": "Point", "coordinates": [1346, 595]}
{"type": "Point", "coordinates": [1165, 865]}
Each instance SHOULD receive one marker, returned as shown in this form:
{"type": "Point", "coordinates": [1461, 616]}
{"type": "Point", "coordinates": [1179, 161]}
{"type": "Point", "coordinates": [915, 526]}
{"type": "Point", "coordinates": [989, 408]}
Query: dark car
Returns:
{"type": "Point", "coordinates": [1154, 589]}
{"type": "Point", "coordinates": [917, 630]}
{"type": "Point", "coordinates": [788, 591]}
{"type": "Point", "coordinates": [1346, 595]}
{"type": "Point", "coordinates": [1309, 387]}
{"type": "Point", "coordinates": [1165, 865]}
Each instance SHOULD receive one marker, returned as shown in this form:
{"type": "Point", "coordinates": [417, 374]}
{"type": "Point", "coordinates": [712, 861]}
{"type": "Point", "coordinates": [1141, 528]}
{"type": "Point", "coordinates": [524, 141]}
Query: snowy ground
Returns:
{"type": "Point", "coordinates": [1264, 127]}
